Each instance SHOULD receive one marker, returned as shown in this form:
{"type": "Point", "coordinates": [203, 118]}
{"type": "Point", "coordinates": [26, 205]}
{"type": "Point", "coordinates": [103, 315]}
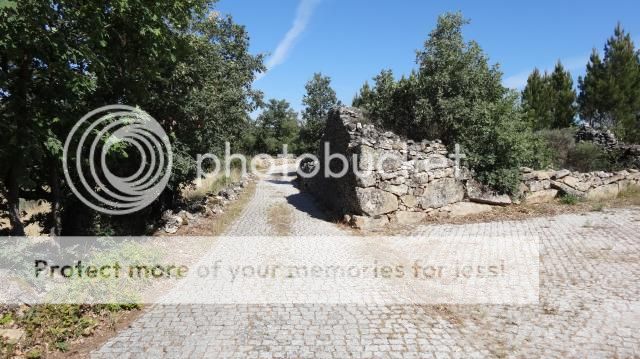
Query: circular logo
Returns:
{"type": "Point", "coordinates": [117, 159]}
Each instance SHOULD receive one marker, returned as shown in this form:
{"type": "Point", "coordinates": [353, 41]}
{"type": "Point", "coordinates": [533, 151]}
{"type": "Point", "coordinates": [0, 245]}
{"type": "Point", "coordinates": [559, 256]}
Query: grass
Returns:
{"type": "Point", "coordinates": [280, 218]}
{"type": "Point", "coordinates": [597, 206]}
{"type": "Point", "coordinates": [55, 326]}
{"type": "Point", "coordinates": [198, 190]}
{"type": "Point", "coordinates": [630, 194]}
{"type": "Point", "coordinates": [219, 224]}
{"type": "Point", "coordinates": [59, 327]}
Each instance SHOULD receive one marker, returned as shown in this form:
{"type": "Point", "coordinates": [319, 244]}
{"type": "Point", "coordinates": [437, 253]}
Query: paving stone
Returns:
{"type": "Point", "coordinates": [589, 302]}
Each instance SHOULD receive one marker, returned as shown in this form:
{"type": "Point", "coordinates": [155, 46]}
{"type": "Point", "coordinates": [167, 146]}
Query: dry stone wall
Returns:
{"type": "Point", "coordinates": [391, 179]}
{"type": "Point", "coordinates": [544, 186]}
{"type": "Point", "coordinates": [625, 154]}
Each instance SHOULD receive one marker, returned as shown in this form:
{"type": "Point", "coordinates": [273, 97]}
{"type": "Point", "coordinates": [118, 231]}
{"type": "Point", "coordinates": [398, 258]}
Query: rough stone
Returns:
{"type": "Point", "coordinates": [535, 186]}
{"type": "Point", "coordinates": [478, 193]}
{"type": "Point", "coordinates": [560, 174]}
{"type": "Point", "coordinates": [408, 218]}
{"type": "Point", "coordinates": [11, 336]}
{"type": "Point", "coordinates": [575, 183]}
{"type": "Point", "coordinates": [367, 158]}
{"type": "Point", "coordinates": [537, 175]}
{"type": "Point", "coordinates": [441, 192]}
{"type": "Point", "coordinates": [398, 190]}
{"type": "Point", "coordinates": [462, 209]}
{"type": "Point", "coordinates": [421, 178]}
{"type": "Point", "coordinates": [366, 180]}
{"type": "Point", "coordinates": [566, 189]}
{"type": "Point", "coordinates": [543, 196]}
{"type": "Point", "coordinates": [603, 192]}
{"type": "Point", "coordinates": [409, 201]}
{"type": "Point", "coordinates": [367, 223]}
{"type": "Point", "coordinates": [375, 201]}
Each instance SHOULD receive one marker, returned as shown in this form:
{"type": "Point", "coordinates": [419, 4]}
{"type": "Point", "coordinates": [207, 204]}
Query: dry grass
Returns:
{"type": "Point", "coordinates": [215, 226]}
{"type": "Point", "coordinates": [280, 219]}
{"type": "Point", "coordinates": [210, 184]}
{"type": "Point", "coordinates": [629, 197]}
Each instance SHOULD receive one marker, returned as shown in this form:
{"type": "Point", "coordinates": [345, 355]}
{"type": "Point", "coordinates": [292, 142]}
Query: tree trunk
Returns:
{"type": "Point", "coordinates": [56, 201]}
{"type": "Point", "coordinates": [13, 199]}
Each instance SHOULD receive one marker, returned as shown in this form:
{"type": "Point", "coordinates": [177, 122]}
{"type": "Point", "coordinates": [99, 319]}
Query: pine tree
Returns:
{"type": "Point", "coordinates": [537, 101]}
{"type": "Point", "coordinates": [610, 91]}
{"type": "Point", "coordinates": [563, 98]}
{"type": "Point", "coordinates": [591, 101]}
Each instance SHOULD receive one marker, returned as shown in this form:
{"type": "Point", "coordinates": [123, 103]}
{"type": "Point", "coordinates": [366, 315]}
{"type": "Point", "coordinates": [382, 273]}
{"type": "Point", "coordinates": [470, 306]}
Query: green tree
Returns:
{"type": "Point", "coordinates": [318, 100]}
{"type": "Point", "coordinates": [378, 102]}
{"type": "Point", "coordinates": [461, 100]}
{"type": "Point", "coordinates": [591, 100]}
{"type": "Point", "coordinates": [549, 100]}
{"type": "Point", "coordinates": [61, 59]}
{"type": "Point", "coordinates": [537, 101]}
{"type": "Point", "coordinates": [276, 126]}
{"type": "Point", "coordinates": [563, 98]}
{"type": "Point", "coordinates": [455, 95]}
{"type": "Point", "coordinates": [610, 90]}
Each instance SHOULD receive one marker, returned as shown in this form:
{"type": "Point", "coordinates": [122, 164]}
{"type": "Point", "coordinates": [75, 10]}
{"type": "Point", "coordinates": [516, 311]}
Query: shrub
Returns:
{"type": "Point", "coordinates": [587, 157]}
{"type": "Point", "coordinates": [560, 143]}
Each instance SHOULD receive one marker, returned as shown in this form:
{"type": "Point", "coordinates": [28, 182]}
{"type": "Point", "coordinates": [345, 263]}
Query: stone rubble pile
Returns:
{"type": "Point", "coordinates": [602, 138]}
{"type": "Point", "coordinates": [212, 204]}
{"type": "Point", "coordinates": [393, 180]}
{"type": "Point", "coordinates": [625, 154]}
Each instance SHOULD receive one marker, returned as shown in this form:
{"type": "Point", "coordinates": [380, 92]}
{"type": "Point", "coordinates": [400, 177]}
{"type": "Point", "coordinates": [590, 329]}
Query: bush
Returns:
{"type": "Point", "coordinates": [560, 143]}
{"type": "Point", "coordinates": [587, 157]}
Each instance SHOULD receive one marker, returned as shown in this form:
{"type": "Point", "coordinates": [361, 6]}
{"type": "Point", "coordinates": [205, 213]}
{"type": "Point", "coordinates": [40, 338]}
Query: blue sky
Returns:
{"type": "Point", "coordinates": [352, 40]}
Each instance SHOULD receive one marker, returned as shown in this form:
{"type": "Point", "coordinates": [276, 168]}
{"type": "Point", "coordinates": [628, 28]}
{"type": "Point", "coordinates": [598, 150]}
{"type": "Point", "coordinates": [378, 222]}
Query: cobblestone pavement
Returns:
{"type": "Point", "coordinates": [589, 306]}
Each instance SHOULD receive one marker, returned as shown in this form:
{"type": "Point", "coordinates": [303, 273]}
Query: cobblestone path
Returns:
{"type": "Point", "coordinates": [589, 302]}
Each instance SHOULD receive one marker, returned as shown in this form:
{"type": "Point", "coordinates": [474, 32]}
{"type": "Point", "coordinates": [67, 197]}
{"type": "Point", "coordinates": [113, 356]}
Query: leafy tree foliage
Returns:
{"type": "Point", "coordinates": [318, 100]}
{"type": "Point", "coordinates": [60, 59]}
{"type": "Point", "coordinates": [610, 90]}
{"type": "Point", "coordinates": [276, 126]}
{"type": "Point", "coordinates": [455, 95]}
{"type": "Point", "coordinates": [549, 101]}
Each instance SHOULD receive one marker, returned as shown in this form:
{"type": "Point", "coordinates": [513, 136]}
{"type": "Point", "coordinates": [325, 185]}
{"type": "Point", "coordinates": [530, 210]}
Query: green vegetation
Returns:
{"type": "Point", "coordinates": [213, 184]}
{"type": "Point", "coordinates": [456, 96]}
{"type": "Point", "coordinates": [276, 125]}
{"type": "Point", "coordinates": [610, 90]}
{"type": "Point", "coordinates": [318, 100]}
{"type": "Point", "coordinates": [569, 199]}
{"type": "Point", "coordinates": [549, 101]}
{"type": "Point", "coordinates": [188, 67]}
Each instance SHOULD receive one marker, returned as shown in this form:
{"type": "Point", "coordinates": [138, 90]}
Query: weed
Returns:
{"type": "Point", "coordinates": [569, 199]}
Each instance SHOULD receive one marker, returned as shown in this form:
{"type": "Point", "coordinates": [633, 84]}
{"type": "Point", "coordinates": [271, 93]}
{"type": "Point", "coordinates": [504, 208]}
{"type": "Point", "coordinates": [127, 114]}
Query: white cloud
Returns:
{"type": "Point", "coordinates": [519, 80]}
{"type": "Point", "coordinates": [303, 15]}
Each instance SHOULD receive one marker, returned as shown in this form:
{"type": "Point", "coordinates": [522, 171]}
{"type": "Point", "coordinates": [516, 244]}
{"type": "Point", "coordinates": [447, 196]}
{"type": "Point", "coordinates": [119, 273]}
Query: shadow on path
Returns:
{"type": "Point", "coordinates": [306, 203]}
